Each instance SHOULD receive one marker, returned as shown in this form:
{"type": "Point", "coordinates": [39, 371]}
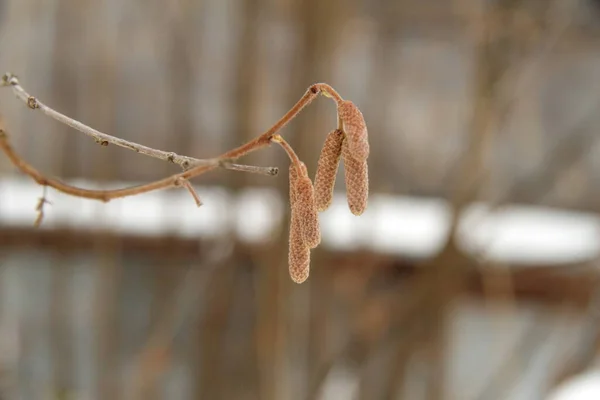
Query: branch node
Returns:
{"type": "Point", "coordinates": [32, 103]}
{"type": "Point", "coordinates": [185, 165]}
{"type": "Point", "coordinates": [276, 138]}
{"type": "Point", "coordinates": [101, 142]}
{"type": "Point", "coordinates": [171, 157]}
{"type": "Point", "coordinates": [9, 79]}
{"type": "Point", "coordinates": [225, 162]}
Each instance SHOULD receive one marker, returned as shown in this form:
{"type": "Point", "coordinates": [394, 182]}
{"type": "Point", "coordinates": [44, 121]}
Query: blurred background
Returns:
{"type": "Point", "coordinates": [472, 275]}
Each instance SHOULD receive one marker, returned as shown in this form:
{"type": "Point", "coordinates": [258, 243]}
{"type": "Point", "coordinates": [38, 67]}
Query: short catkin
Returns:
{"type": "Point", "coordinates": [299, 252]}
{"type": "Point", "coordinates": [327, 169]}
{"type": "Point", "coordinates": [355, 129]}
{"type": "Point", "coordinates": [304, 205]}
{"type": "Point", "coordinates": [357, 181]}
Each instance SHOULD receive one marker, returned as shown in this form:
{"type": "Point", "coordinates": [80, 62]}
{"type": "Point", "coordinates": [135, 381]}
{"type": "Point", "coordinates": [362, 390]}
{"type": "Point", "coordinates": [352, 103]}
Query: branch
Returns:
{"type": "Point", "coordinates": [288, 149]}
{"type": "Point", "coordinates": [42, 201]}
{"type": "Point", "coordinates": [190, 188]}
{"type": "Point", "coordinates": [104, 139]}
{"type": "Point", "coordinates": [198, 168]}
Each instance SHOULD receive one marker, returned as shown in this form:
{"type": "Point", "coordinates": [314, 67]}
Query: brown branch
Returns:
{"type": "Point", "coordinates": [288, 149]}
{"type": "Point", "coordinates": [330, 92]}
{"type": "Point", "coordinates": [104, 139]}
{"type": "Point", "coordinates": [186, 184]}
{"type": "Point", "coordinates": [223, 160]}
{"type": "Point", "coordinates": [42, 201]}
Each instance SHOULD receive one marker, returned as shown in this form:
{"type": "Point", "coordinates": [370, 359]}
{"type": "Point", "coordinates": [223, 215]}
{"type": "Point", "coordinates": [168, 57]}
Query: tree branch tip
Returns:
{"type": "Point", "coordinates": [185, 183]}
{"type": "Point", "coordinates": [273, 171]}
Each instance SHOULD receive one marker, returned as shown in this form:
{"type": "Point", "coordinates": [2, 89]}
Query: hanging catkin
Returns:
{"type": "Point", "coordinates": [357, 180]}
{"type": "Point", "coordinates": [355, 129]}
{"type": "Point", "coordinates": [327, 169]}
{"type": "Point", "coordinates": [305, 207]}
{"type": "Point", "coordinates": [299, 252]}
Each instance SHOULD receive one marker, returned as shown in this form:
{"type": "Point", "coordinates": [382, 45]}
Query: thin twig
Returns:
{"type": "Point", "coordinates": [101, 138]}
{"type": "Point", "coordinates": [223, 160]}
{"type": "Point", "coordinates": [271, 171]}
{"type": "Point", "coordinates": [190, 188]}
{"type": "Point", "coordinates": [330, 92]}
{"type": "Point", "coordinates": [42, 201]}
{"type": "Point", "coordinates": [104, 139]}
{"type": "Point", "coordinates": [288, 149]}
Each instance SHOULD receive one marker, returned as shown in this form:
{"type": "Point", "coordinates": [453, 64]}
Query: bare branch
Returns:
{"type": "Point", "coordinates": [271, 171]}
{"type": "Point", "coordinates": [192, 170]}
{"type": "Point", "coordinates": [103, 139]}
{"type": "Point", "coordinates": [190, 188]}
{"type": "Point", "coordinates": [288, 149]}
{"type": "Point", "coordinates": [42, 201]}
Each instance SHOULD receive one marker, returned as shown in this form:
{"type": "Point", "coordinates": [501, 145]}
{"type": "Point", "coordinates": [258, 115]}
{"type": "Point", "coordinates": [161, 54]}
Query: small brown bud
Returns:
{"type": "Point", "coordinates": [302, 200]}
{"type": "Point", "coordinates": [327, 169]}
{"type": "Point", "coordinates": [357, 181]}
{"type": "Point", "coordinates": [355, 129]}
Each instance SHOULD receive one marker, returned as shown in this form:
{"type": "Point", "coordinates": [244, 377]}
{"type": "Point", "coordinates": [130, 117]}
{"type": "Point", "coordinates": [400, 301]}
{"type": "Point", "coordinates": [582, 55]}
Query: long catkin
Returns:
{"type": "Point", "coordinates": [299, 252]}
{"type": "Point", "coordinates": [327, 169]}
{"type": "Point", "coordinates": [357, 181]}
{"type": "Point", "coordinates": [306, 209]}
{"type": "Point", "coordinates": [355, 129]}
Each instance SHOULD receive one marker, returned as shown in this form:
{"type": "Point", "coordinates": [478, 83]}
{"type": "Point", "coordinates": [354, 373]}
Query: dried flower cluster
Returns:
{"type": "Point", "coordinates": [350, 142]}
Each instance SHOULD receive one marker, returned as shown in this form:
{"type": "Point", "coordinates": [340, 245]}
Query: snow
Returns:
{"type": "Point", "coordinates": [402, 225]}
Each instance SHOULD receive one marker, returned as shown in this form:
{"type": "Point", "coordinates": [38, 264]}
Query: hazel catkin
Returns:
{"type": "Point", "coordinates": [304, 206]}
{"type": "Point", "coordinates": [327, 169]}
{"type": "Point", "coordinates": [299, 252]}
{"type": "Point", "coordinates": [357, 180]}
{"type": "Point", "coordinates": [355, 129]}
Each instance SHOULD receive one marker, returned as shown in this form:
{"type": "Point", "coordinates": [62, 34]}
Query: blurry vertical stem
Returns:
{"type": "Point", "coordinates": [247, 106]}
{"type": "Point", "coordinates": [61, 338]}
{"type": "Point", "coordinates": [492, 47]}
{"type": "Point", "coordinates": [212, 329]}
{"type": "Point", "coordinates": [104, 50]}
{"type": "Point", "coordinates": [63, 78]}
{"type": "Point", "coordinates": [108, 273]}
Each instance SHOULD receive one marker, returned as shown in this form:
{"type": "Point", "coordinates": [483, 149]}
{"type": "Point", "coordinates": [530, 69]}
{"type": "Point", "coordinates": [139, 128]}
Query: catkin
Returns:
{"type": "Point", "coordinates": [357, 181]}
{"type": "Point", "coordinates": [355, 129]}
{"type": "Point", "coordinates": [327, 169]}
{"type": "Point", "coordinates": [304, 206]}
{"type": "Point", "coordinates": [299, 252]}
